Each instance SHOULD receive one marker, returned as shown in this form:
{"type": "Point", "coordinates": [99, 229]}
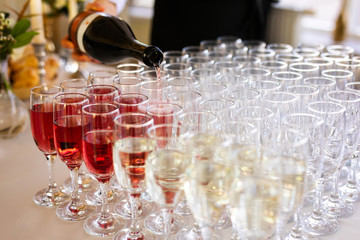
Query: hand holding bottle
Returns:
{"type": "Point", "coordinates": [97, 6]}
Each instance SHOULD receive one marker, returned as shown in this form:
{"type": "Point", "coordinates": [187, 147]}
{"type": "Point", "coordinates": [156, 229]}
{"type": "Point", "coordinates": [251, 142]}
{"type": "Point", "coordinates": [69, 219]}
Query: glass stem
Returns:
{"type": "Point", "coordinates": [318, 199]}
{"type": "Point", "coordinates": [167, 219]}
{"type": "Point", "coordinates": [296, 229]}
{"type": "Point", "coordinates": [335, 190]}
{"type": "Point", "coordinates": [197, 229]}
{"type": "Point", "coordinates": [50, 162]}
{"type": "Point", "coordinates": [134, 227]}
{"type": "Point", "coordinates": [75, 197]}
{"type": "Point", "coordinates": [104, 189]}
{"type": "Point", "coordinates": [351, 183]}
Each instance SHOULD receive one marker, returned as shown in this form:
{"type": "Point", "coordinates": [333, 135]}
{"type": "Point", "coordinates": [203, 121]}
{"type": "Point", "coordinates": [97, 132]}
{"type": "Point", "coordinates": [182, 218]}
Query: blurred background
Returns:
{"type": "Point", "coordinates": [290, 21]}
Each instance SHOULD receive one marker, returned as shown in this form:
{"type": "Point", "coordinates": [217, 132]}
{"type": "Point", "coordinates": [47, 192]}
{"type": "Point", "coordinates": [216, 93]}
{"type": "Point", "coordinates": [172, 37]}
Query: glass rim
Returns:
{"type": "Point", "coordinates": [296, 76]}
{"type": "Point", "coordinates": [293, 99]}
{"type": "Point", "coordinates": [198, 95]}
{"type": "Point", "coordinates": [275, 83]}
{"type": "Point", "coordinates": [318, 123]}
{"type": "Point", "coordinates": [346, 73]}
{"type": "Point", "coordinates": [87, 112]}
{"type": "Point", "coordinates": [330, 80]}
{"type": "Point", "coordinates": [321, 61]}
{"type": "Point", "coordinates": [92, 73]}
{"type": "Point", "coordinates": [341, 110]}
{"type": "Point", "coordinates": [269, 114]}
{"type": "Point", "coordinates": [142, 96]}
{"type": "Point", "coordinates": [149, 108]}
{"type": "Point", "coordinates": [344, 92]}
{"type": "Point", "coordinates": [311, 67]}
{"type": "Point", "coordinates": [314, 92]}
{"type": "Point", "coordinates": [69, 94]}
{"type": "Point", "coordinates": [137, 67]}
{"type": "Point", "coordinates": [36, 89]}
{"type": "Point", "coordinates": [117, 80]}
{"type": "Point", "coordinates": [149, 121]}
{"type": "Point", "coordinates": [159, 126]}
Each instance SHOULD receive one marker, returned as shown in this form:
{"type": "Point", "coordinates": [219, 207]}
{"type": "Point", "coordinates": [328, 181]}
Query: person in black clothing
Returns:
{"type": "Point", "coordinates": [180, 23]}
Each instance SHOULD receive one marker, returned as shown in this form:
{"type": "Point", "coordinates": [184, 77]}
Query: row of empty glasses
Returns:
{"type": "Point", "coordinates": [229, 138]}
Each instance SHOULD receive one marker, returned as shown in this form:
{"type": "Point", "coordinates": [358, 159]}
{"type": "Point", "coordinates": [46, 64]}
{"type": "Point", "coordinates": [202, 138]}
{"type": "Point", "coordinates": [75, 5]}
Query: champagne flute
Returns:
{"type": "Point", "coordinates": [67, 136]}
{"type": "Point", "coordinates": [207, 185]}
{"type": "Point", "coordinates": [41, 116]}
{"type": "Point", "coordinates": [129, 69]}
{"type": "Point", "coordinates": [97, 151]}
{"type": "Point", "coordinates": [200, 146]}
{"type": "Point", "coordinates": [131, 149]}
{"type": "Point", "coordinates": [102, 77]}
{"type": "Point", "coordinates": [166, 137]}
{"type": "Point", "coordinates": [86, 181]}
{"type": "Point", "coordinates": [317, 222]}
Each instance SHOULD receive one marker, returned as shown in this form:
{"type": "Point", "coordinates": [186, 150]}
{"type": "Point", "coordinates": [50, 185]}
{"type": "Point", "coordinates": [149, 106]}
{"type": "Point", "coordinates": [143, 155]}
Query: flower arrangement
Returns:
{"type": "Point", "coordinates": [14, 35]}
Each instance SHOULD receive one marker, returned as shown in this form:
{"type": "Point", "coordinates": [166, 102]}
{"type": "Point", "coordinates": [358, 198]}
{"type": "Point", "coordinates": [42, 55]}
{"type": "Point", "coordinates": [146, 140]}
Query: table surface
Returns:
{"type": "Point", "coordinates": [23, 171]}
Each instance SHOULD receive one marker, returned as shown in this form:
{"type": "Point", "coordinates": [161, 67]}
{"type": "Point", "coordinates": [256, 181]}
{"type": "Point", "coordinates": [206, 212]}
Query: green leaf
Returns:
{"type": "Point", "coordinates": [20, 27]}
{"type": "Point", "coordinates": [24, 39]}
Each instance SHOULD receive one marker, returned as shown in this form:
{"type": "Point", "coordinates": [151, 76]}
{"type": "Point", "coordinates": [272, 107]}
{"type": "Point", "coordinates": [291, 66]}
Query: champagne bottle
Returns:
{"type": "Point", "coordinates": [109, 39]}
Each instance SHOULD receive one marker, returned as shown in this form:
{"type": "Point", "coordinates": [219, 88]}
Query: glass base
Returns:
{"type": "Point", "coordinates": [86, 183]}
{"type": "Point", "coordinates": [50, 197]}
{"type": "Point", "coordinates": [193, 235]}
{"type": "Point", "coordinates": [350, 193]}
{"type": "Point", "coordinates": [338, 208]}
{"type": "Point", "coordinates": [224, 222]}
{"type": "Point", "coordinates": [183, 208]}
{"type": "Point", "coordinates": [123, 209]}
{"type": "Point", "coordinates": [302, 236]}
{"type": "Point", "coordinates": [103, 228]}
{"type": "Point", "coordinates": [144, 234]}
{"type": "Point", "coordinates": [155, 223]}
{"type": "Point", "coordinates": [320, 226]}
{"type": "Point", "coordinates": [94, 197]}
{"type": "Point", "coordinates": [76, 212]}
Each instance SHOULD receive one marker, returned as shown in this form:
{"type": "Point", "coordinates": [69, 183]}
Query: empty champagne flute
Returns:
{"type": "Point", "coordinates": [287, 78]}
{"type": "Point", "coordinates": [351, 100]}
{"type": "Point", "coordinates": [129, 69]}
{"type": "Point", "coordinates": [98, 156]}
{"type": "Point", "coordinates": [102, 77]}
{"type": "Point", "coordinates": [317, 222]}
{"type": "Point", "coordinates": [280, 47]}
{"type": "Point", "coordinates": [188, 100]}
{"type": "Point", "coordinates": [324, 85]}
{"type": "Point", "coordinates": [41, 118]}
{"type": "Point", "coordinates": [131, 149]}
{"type": "Point", "coordinates": [68, 142]}
{"type": "Point", "coordinates": [127, 84]}
{"type": "Point", "coordinates": [342, 77]}
{"type": "Point", "coordinates": [74, 85]}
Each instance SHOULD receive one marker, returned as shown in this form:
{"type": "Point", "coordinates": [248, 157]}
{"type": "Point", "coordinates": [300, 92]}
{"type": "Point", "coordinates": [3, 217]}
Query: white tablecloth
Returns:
{"type": "Point", "coordinates": [23, 171]}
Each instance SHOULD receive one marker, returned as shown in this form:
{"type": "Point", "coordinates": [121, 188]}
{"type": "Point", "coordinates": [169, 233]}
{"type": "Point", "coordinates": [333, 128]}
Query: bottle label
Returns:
{"type": "Point", "coordinates": [82, 28]}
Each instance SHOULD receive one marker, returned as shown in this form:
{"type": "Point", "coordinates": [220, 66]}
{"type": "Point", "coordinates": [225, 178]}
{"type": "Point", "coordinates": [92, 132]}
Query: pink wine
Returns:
{"type": "Point", "coordinates": [97, 153]}
{"type": "Point", "coordinates": [67, 132]}
{"type": "Point", "coordinates": [41, 117]}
